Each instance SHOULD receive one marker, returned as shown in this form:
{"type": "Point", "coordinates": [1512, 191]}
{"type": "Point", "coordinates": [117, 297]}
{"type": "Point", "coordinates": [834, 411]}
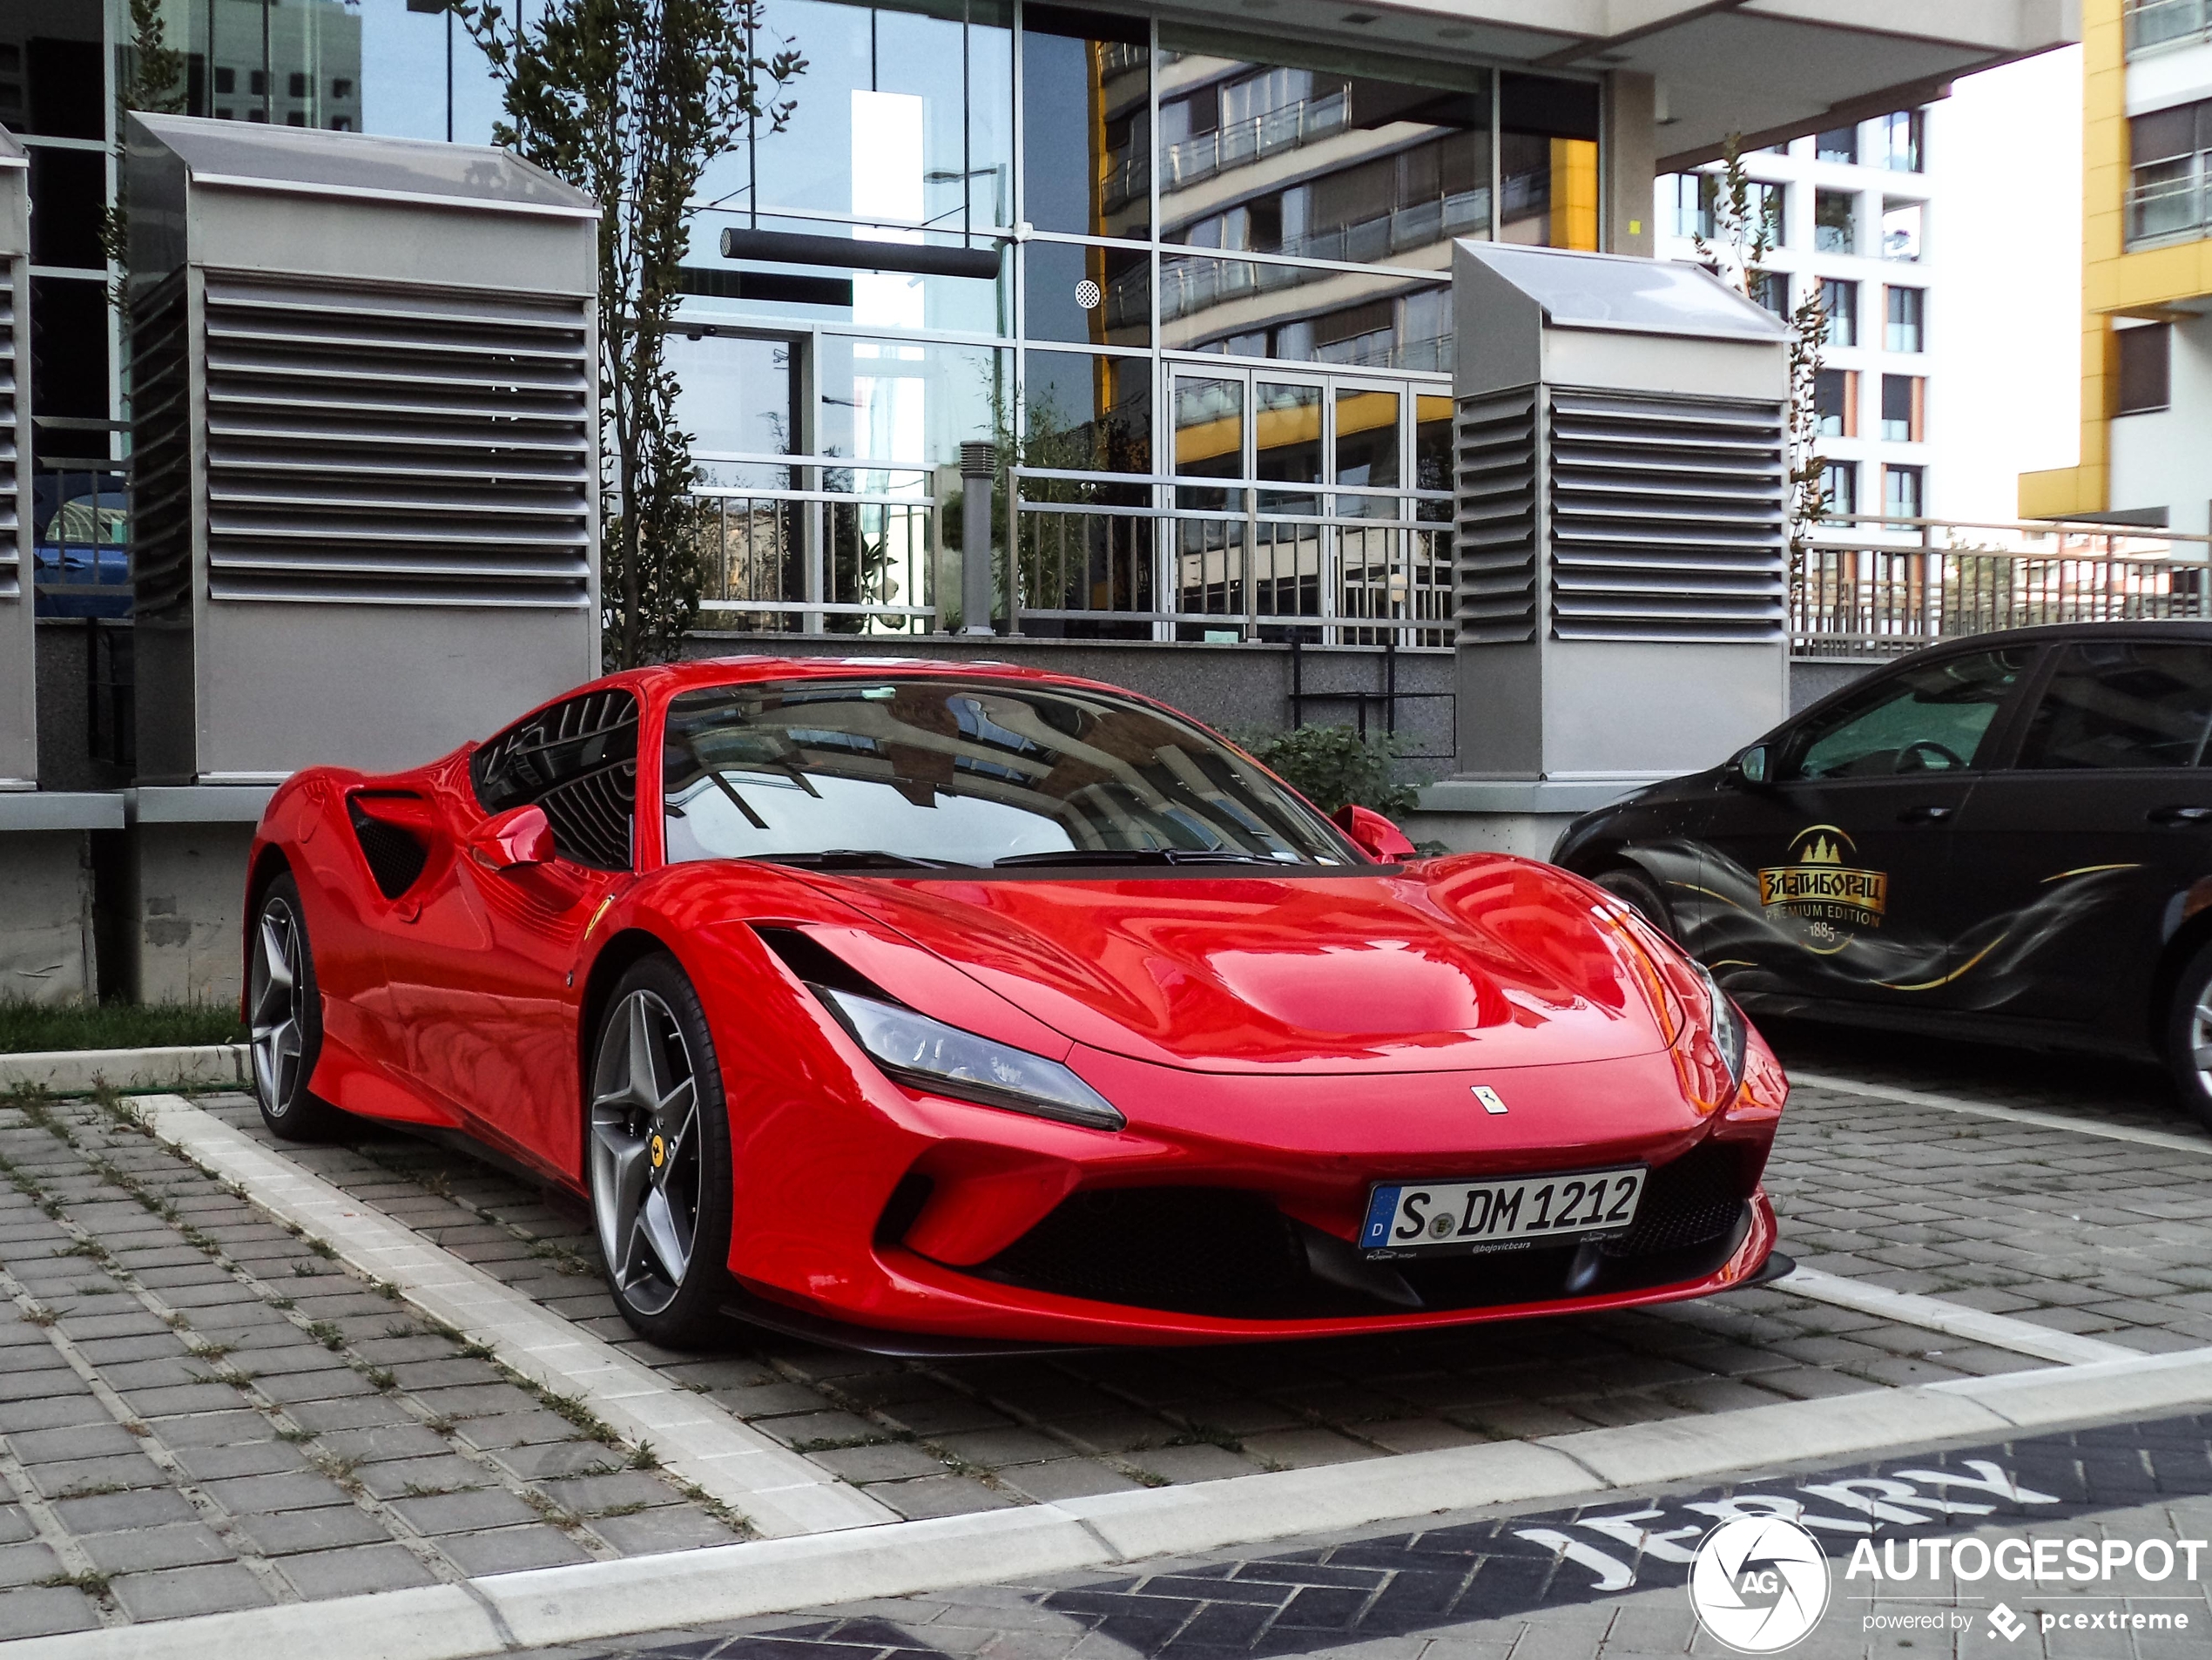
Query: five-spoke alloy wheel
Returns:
{"type": "Point", "coordinates": [658, 1156]}
{"type": "Point", "coordinates": [2188, 1034]}
{"type": "Point", "coordinates": [284, 1016]}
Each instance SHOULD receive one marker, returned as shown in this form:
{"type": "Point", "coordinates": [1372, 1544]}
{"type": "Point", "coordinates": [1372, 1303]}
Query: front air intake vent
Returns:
{"type": "Point", "coordinates": [370, 443]}
{"type": "Point", "coordinates": [1668, 518]}
{"type": "Point", "coordinates": [1497, 517]}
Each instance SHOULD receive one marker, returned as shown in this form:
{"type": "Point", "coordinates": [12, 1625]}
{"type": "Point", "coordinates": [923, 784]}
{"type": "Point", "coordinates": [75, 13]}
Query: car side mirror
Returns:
{"type": "Point", "coordinates": [518, 836]}
{"type": "Point", "coordinates": [1370, 832]}
{"type": "Point", "coordinates": [1754, 766]}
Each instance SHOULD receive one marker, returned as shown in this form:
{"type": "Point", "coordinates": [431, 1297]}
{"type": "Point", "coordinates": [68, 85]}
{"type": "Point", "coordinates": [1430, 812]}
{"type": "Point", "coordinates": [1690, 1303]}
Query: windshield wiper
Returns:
{"type": "Point", "coordinates": [856, 859]}
{"type": "Point", "coordinates": [1139, 856]}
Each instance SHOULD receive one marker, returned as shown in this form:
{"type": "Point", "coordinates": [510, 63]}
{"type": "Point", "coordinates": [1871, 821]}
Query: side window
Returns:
{"type": "Point", "coordinates": [1928, 718]}
{"type": "Point", "coordinates": [2120, 703]}
{"type": "Point", "coordinates": [579, 762]}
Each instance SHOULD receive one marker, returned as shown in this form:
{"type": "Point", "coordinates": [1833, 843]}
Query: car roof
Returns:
{"type": "Point", "coordinates": [666, 679]}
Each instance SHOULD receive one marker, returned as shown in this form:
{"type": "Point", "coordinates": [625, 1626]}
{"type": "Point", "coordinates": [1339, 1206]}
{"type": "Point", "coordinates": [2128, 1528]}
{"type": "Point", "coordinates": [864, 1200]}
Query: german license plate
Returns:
{"type": "Point", "coordinates": [1443, 1218]}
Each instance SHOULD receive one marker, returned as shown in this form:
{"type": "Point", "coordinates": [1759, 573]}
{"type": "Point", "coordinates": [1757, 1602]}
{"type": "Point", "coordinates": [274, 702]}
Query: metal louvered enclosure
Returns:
{"type": "Point", "coordinates": [366, 439]}
{"type": "Point", "coordinates": [1622, 477]}
{"type": "Point", "coordinates": [18, 638]}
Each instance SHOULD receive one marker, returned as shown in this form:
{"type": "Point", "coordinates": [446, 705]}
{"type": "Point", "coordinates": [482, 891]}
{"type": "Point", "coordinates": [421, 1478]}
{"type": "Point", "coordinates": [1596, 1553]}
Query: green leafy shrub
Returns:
{"type": "Point", "coordinates": [1331, 765]}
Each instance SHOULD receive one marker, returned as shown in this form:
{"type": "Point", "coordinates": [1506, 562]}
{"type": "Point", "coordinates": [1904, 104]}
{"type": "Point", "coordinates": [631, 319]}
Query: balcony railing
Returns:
{"type": "Point", "coordinates": [2165, 23]}
{"type": "Point", "coordinates": [1111, 557]}
{"type": "Point", "coordinates": [1187, 161]}
{"type": "Point", "coordinates": [834, 548]}
{"type": "Point", "coordinates": [1875, 587]}
{"type": "Point", "coordinates": [2170, 206]}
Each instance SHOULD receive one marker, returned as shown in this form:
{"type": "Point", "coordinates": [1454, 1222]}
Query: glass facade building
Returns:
{"type": "Point", "coordinates": [1224, 259]}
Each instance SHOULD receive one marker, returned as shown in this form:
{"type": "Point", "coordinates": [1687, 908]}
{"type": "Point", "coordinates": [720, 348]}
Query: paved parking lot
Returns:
{"type": "Point", "coordinates": [203, 1410]}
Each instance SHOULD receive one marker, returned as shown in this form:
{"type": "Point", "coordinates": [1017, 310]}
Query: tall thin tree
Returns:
{"type": "Point", "coordinates": [632, 101]}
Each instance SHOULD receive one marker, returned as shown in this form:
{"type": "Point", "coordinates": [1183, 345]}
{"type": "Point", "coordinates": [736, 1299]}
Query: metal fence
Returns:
{"type": "Point", "coordinates": [816, 545]}
{"type": "Point", "coordinates": [2159, 23]}
{"type": "Point", "coordinates": [1105, 556]}
{"type": "Point", "coordinates": [1879, 587]}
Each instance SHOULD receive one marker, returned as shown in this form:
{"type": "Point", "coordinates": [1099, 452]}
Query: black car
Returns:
{"type": "Point", "coordinates": [2007, 837]}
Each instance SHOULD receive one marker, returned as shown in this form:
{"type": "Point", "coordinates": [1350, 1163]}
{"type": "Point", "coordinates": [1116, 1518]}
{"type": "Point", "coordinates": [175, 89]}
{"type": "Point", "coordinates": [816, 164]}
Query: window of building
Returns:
{"type": "Point", "coordinates": [296, 83]}
{"type": "Point", "coordinates": [2145, 354]}
{"type": "Point", "coordinates": [1686, 203]}
{"type": "Point", "coordinates": [2154, 22]}
{"type": "Point", "coordinates": [1901, 496]}
{"type": "Point", "coordinates": [1901, 405]}
{"type": "Point", "coordinates": [2123, 703]}
{"type": "Point", "coordinates": [225, 80]}
{"type": "Point", "coordinates": [1835, 222]}
{"type": "Point", "coordinates": [1907, 331]}
{"type": "Point", "coordinates": [257, 83]}
{"type": "Point", "coordinates": [1837, 143]}
{"type": "Point", "coordinates": [2169, 158]}
{"type": "Point", "coordinates": [1771, 290]}
{"type": "Point", "coordinates": [1903, 136]}
{"type": "Point", "coordinates": [1831, 404]}
{"type": "Point", "coordinates": [1840, 306]}
{"type": "Point", "coordinates": [1547, 161]}
{"type": "Point", "coordinates": [1902, 223]}
{"type": "Point", "coordinates": [1839, 489]}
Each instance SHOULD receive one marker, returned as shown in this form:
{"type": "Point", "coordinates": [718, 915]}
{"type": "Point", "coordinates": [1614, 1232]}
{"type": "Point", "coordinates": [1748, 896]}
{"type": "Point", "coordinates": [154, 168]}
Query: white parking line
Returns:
{"type": "Point", "coordinates": [779, 1492]}
{"type": "Point", "coordinates": [1909, 1308]}
{"type": "Point", "coordinates": [2171, 1140]}
{"type": "Point", "coordinates": [549, 1606]}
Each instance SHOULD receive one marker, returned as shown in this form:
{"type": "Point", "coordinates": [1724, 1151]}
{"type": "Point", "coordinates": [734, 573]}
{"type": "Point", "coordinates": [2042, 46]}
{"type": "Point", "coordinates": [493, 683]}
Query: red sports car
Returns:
{"type": "Point", "coordinates": [942, 1008]}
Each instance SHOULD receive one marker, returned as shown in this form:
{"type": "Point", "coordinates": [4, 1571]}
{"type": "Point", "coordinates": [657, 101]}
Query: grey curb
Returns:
{"type": "Point", "coordinates": [592, 1600]}
{"type": "Point", "coordinates": [79, 1071]}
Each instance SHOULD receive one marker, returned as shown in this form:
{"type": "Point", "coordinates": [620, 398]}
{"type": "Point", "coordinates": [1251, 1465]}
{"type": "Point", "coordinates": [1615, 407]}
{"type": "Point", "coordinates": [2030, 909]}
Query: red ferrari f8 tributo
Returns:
{"type": "Point", "coordinates": [946, 1007]}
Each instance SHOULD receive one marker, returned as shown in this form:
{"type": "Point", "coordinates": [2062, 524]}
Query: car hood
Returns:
{"type": "Point", "coordinates": [1472, 961]}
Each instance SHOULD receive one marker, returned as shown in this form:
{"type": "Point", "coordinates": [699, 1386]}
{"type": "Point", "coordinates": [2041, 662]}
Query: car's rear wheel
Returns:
{"type": "Point", "coordinates": [2189, 1035]}
{"type": "Point", "coordinates": [284, 1016]}
{"type": "Point", "coordinates": [1624, 882]}
{"type": "Point", "coordinates": [658, 1158]}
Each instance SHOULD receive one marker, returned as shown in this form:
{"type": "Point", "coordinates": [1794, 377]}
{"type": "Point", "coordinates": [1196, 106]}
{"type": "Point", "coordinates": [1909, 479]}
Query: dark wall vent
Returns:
{"type": "Point", "coordinates": [1497, 517]}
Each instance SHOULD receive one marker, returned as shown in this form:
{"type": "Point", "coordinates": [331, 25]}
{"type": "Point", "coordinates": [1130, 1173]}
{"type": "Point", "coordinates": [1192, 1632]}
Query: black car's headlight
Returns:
{"type": "Point", "coordinates": [945, 1060]}
{"type": "Point", "coordinates": [1727, 1024]}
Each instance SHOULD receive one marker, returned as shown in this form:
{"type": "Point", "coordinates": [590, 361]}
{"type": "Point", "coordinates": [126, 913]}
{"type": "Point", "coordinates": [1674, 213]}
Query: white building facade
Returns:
{"type": "Point", "coordinates": [1855, 216]}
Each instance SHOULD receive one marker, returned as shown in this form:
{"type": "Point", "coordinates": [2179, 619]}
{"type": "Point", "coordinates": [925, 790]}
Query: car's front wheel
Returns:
{"type": "Point", "coordinates": [1639, 891]}
{"type": "Point", "coordinates": [2189, 1035]}
{"type": "Point", "coordinates": [284, 1016]}
{"type": "Point", "coordinates": [658, 1158]}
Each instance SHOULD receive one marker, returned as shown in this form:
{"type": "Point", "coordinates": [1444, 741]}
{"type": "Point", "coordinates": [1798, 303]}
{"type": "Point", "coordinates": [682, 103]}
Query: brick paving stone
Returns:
{"type": "Point", "coordinates": [509, 1551]}
{"type": "Point", "coordinates": [45, 1611]}
{"type": "Point", "coordinates": [355, 1570]}
{"type": "Point", "coordinates": [462, 1512]}
{"type": "Point", "coordinates": [172, 1593]}
{"type": "Point", "coordinates": [444, 1473]}
{"type": "Point", "coordinates": [114, 1511]}
{"type": "Point", "coordinates": [676, 1527]}
{"type": "Point", "coordinates": [176, 1545]}
{"type": "Point", "coordinates": [293, 1531]}
{"type": "Point", "coordinates": [271, 1494]}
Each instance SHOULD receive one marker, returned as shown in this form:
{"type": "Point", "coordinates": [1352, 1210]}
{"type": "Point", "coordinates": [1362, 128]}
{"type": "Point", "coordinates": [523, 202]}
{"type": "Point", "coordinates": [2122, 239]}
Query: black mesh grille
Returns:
{"type": "Point", "coordinates": [1694, 1199]}
{"type": "Point", "coordinates": [1196, 1250]}
{"type": "Point", "coordinates": [1221, 1251]}
{"type": "Point", "coordinates": [579, 762]}
{"type": "Point", "coordinates": [396, 859]}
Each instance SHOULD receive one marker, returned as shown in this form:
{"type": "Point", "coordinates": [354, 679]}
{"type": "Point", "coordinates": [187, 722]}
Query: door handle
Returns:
{"type": "Point", "coordinates": [1923, 814]}
{"type": "Point", "coordinates": [2179, 815]}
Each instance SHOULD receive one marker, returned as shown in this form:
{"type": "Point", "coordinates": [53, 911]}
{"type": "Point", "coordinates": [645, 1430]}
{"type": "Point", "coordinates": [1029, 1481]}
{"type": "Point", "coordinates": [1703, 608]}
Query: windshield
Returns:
{"type": "Point", "coordinates": [967, 773]}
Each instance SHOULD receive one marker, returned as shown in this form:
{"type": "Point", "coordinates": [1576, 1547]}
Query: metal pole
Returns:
{"type": "Point", "coordinates": [978, 467]}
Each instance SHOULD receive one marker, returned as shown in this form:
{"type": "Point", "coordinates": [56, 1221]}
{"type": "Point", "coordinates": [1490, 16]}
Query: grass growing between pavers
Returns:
{"type": "Point", "coordinates": [35, 1028]}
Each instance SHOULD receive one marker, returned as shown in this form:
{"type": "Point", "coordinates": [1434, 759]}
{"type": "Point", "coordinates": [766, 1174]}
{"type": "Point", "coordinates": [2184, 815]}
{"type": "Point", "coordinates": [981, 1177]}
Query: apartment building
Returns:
{"type": "Point", "coordinates": [1851, 211]}
{"type": "Point", "coordinates": [2146, 455]}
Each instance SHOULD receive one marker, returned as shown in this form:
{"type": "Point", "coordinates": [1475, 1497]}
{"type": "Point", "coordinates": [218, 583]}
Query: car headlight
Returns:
{"type": "Point", "coordinates": [945, 1060]}
{"type": "Point", "coordinates": [1727, 1024]}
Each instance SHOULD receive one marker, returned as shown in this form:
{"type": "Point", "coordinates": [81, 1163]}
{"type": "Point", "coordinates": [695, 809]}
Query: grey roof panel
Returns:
{"type": "Point", "coordinates": [1581, 290]}
{"type": "Point", "coordinates": [358, 164]}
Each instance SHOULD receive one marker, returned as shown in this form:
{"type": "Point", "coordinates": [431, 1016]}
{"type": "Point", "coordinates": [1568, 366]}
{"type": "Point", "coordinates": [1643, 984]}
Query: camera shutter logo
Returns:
{"type": "Point", "coordinates": [1759, 1584]}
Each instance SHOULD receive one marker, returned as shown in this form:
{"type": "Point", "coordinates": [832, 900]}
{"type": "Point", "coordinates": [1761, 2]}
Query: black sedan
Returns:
{"type": "Point", "coordinates": [2007, 837]}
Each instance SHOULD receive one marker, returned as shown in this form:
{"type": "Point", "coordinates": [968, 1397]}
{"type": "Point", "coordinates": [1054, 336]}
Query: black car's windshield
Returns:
{"type": "Point", "coordinates": [895, 773]}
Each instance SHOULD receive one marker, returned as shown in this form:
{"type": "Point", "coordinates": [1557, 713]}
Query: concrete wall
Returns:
{"type": "Point", "coordinates": [47, 952]}
{"type": "Point", "coordinates": [2163, 458]}
{"type": "Point", "coordinates": [183, 903]}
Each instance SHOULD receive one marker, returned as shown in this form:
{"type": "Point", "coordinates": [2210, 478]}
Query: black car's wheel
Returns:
{"type": "Point", "coordinates": [1623, 882]}
{"type": "Point", "coordinates": [284, 1016]}
{"type": "Point", "coordinates": [2189, 1035]}
{"type": "Point", "coordinates": [658, 1158]}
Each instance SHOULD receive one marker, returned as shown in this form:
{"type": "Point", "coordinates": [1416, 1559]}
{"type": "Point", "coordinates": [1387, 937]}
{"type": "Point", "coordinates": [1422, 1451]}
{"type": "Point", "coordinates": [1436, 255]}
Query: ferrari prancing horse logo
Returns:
{"type": "Point", "coordinates": [1492, 1103]}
